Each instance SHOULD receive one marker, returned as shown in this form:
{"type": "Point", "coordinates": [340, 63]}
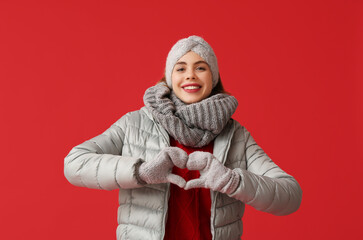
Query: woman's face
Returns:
{"type": "Point", "coordinates": [191, 78]}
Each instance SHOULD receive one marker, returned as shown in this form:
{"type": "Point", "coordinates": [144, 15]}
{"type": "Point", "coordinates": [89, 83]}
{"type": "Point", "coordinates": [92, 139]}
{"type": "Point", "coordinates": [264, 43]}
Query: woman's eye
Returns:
{"type": "Point", "coordinates": [180, 69]}
{"type": "Point", "coordinates": [201, 68]}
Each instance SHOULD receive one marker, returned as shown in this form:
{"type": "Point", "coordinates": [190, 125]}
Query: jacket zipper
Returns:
{"type": "Point", "coordinates": [215, 194]}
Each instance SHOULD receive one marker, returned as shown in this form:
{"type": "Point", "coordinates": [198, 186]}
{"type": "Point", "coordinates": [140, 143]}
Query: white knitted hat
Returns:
{"type": "Point", "coordinates": [197, 45]}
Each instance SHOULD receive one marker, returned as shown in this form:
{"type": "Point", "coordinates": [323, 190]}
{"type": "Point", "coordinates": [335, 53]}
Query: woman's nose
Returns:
{"type": "Point", "coordinates": [190, 75]}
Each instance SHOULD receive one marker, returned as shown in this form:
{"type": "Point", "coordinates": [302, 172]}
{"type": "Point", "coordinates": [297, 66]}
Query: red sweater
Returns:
{"type": "Point", "coordinates": [189, 211]}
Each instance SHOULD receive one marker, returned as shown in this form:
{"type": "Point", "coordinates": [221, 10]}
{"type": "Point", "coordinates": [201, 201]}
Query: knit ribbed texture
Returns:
{"type": "Point", "coordinates": [213, 174]}
{"type": "Point", "coordinates": [193, 125]}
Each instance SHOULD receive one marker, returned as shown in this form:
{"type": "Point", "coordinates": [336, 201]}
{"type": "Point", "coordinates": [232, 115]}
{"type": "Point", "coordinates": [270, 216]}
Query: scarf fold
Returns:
{"type": "Point", "coordinates": [193, 125]}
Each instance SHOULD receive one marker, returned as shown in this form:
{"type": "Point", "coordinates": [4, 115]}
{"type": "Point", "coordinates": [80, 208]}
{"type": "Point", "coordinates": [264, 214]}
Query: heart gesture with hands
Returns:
{"type": "Point", "coordinates": [213, 174]}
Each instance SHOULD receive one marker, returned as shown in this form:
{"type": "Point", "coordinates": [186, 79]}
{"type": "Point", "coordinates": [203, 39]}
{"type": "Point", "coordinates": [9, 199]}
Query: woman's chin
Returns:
{"type": "Point", "coordinates": [191, 99]}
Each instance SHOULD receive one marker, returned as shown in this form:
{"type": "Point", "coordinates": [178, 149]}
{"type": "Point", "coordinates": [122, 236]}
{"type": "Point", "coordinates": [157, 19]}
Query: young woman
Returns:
{"type": "Point", "coordinates": [183, 167]}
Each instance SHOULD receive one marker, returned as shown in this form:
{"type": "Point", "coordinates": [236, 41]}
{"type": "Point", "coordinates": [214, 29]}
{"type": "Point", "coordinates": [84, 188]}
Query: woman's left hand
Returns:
{"type": "Point", "coordinates": [213, 174]}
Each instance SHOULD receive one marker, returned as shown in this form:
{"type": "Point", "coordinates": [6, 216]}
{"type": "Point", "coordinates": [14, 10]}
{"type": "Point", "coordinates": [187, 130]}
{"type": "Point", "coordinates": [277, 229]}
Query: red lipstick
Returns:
{"type": "Point", "coordinates": [191, 87]}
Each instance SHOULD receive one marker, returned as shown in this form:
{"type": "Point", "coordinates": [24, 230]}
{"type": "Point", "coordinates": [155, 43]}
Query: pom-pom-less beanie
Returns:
{"type": "Point", "coordinates": [197, 45]}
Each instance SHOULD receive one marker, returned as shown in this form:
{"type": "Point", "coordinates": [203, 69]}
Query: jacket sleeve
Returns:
{"type": "Point", "coordinates": [98, 163]}
{"type": "Point", "coordinates": [264, 185]}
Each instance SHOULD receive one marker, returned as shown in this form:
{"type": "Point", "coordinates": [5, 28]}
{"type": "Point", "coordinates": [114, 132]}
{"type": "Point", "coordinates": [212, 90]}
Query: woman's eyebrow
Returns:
{"type": "Point", "coordinates": [194, 63]}
{"type": "Point", "coordinates": [199, 62]}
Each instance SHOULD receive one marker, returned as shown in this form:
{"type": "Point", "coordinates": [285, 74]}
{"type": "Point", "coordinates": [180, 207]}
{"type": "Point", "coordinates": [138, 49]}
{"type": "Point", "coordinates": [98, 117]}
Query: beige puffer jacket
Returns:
{"type": "Point", "coordinates": [108, 162]}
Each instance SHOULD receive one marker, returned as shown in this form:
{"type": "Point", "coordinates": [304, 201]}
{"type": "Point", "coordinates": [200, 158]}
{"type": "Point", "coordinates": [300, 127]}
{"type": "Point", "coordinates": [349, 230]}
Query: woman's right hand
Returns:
{"type": "Point", "coordinates": [159, 169]}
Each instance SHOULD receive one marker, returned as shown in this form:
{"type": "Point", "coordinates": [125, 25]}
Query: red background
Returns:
{"type": "Point", "coordinates": [69, 69]}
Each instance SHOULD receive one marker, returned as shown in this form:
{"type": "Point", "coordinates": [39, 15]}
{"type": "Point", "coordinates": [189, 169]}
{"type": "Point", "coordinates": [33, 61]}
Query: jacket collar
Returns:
{"type": "Point", "coordinates": [160, 128]}
{"type": "Point", "coordinates": [223, 141]}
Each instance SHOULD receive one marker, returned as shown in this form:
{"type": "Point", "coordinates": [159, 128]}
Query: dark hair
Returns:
{"type": "Point", "coordinates": [217, 89]}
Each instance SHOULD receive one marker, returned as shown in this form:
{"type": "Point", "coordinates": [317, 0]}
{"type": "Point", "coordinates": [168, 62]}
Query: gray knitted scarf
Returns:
{"type": "Point", "coordinates": [193, 125]}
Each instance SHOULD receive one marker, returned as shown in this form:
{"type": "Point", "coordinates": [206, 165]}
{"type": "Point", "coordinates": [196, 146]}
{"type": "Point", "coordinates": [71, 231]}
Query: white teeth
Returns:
{"type": "Point", "coordinates": [191, 87]}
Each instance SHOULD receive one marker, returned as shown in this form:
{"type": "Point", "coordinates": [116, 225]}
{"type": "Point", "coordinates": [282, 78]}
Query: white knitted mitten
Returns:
{"type": "Point", "coordinates": [213, 174]}
{"type": "Point", "coordinates": [159, 169]}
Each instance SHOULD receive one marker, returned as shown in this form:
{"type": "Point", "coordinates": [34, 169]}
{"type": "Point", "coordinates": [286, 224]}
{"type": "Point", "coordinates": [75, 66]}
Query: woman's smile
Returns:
{"type": "Point", "coordinates": [191, 87]}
